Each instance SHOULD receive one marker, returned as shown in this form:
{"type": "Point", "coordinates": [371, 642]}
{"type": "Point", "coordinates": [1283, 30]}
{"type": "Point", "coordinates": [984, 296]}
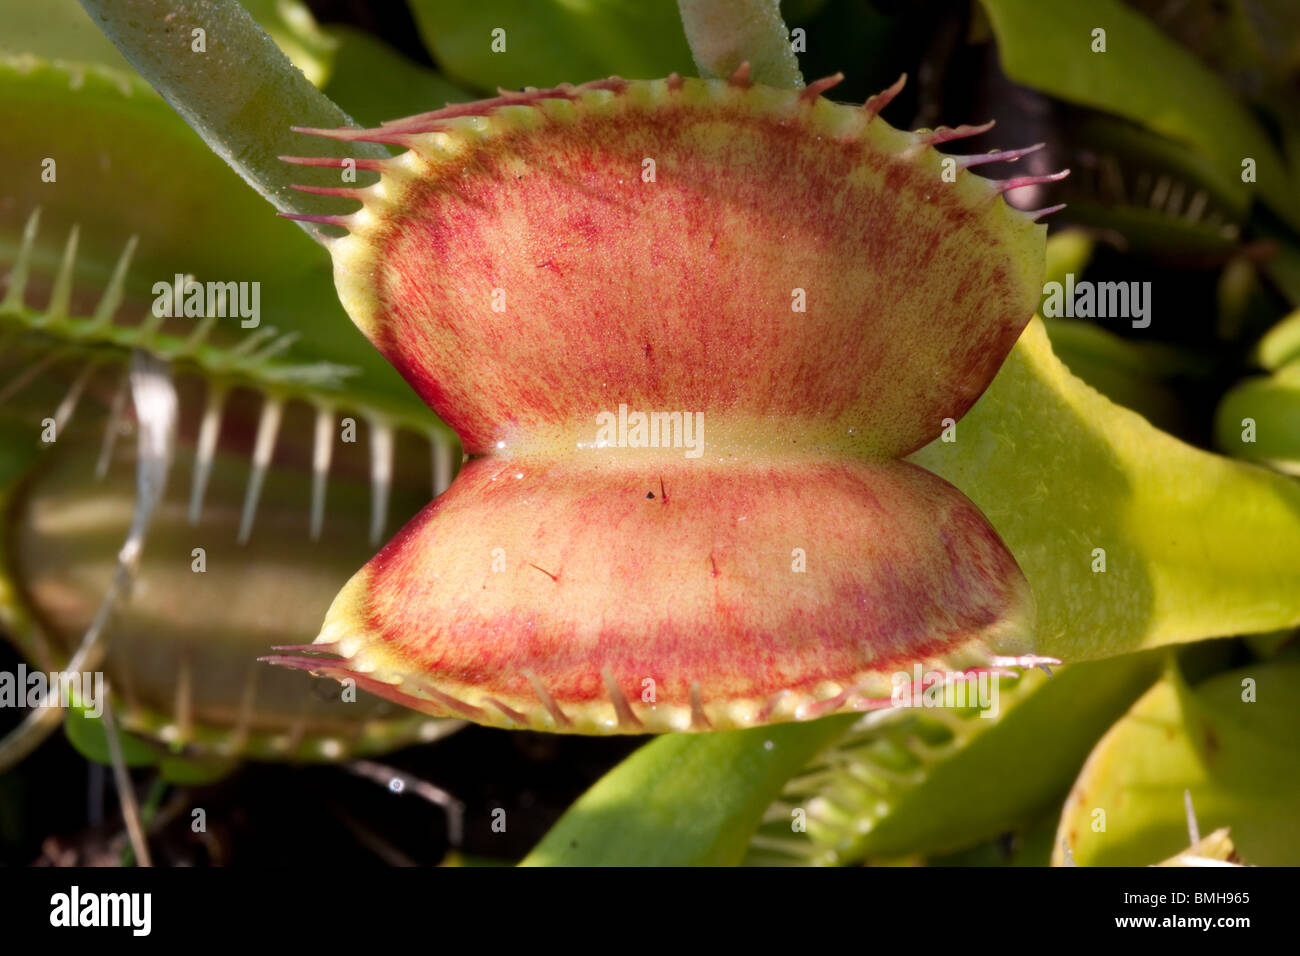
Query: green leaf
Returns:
{"type": "Point", "coordinates": [1281, 344]}
{"type": "Point", "coordinates": [291, 25]}
{"type": "Point", "coordinates": [116, 144]}
{"type": "Point", "coordinates": [1067, 252]}
{"type": "Point", "coordinates": [55, 30]}
{"type": "Point", "coordinates": [684, 800]}
{"type": "Point", "coordinates": [548, 42]}
{"type": "Point", "coordinates": [1259, 419]}
{"type": "Point", "coordinates": [196, 771]}
{"type": "Point", "coordinates": [1128, 373]}
{"type": "Point", "coordinates": [87, 734]}
{"type": "Point", "coordinates": [61, 30]}
{"type": "Point", "coordinates": [1144, 76]}
{"type": "Point", "coordinates": [725, 33]}
{"type": "Point", "coordinates": [1196, 545]}
{"type": "Point", "coordinates": [246, 118]}
{"type": "Point", "coordinates": [1237, 758]}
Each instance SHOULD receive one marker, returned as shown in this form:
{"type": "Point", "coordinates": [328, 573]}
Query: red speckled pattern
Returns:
{"type": "Point", "coordinates": [678, 292]}
{"type": "Point", "coordinates": [568, 569]}
{"type": "Point", "coordinates": [789, 568]}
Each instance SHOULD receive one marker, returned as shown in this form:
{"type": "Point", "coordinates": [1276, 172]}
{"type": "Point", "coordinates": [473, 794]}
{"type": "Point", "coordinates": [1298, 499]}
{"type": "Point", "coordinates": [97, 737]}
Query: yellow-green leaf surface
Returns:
{"type": "Point", "coordinates": [684, 800]}
{"type": "Point", "coordinates": [1259, 419]}
{"type": "Point", "coordinates": [1236, 756]}
{"type": "Point", "coordinates": [1143, 75]}
{"type": "Point", "coordinates": [1196, 545]}
{"type": "Point", "coordinates": [1126, 372]}
{"type": "Point", "coordinates": [1281, 345]}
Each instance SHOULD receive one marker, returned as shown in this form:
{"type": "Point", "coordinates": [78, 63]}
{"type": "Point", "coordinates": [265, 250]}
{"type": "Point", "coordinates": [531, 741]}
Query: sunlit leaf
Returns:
{"type": "Point", "coordinates": [1259, 419]}
{"type": "Point", "coordinates": [684, 800]}
{"type": "Point", "coordinates": [1229, 741]}
{"type": "Point", "coordinates": [1196, 545]}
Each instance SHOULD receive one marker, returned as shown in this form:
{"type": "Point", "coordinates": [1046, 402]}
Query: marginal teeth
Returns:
{"type": "Point", "coordinates": [61, 294]}
{"type": "Point", "coordinates": [381, 476]}
{"type": "Point", "coordinates": [201, 331]}
{"type": "Point", "coordinates": [252, 342]}
{"type": "Point", "coordinates": [209, 428]}
{"type": "Point", "coordinates": [996, 156]}
{"type": "Point", "coordinates": [268, 428]}
{"type": "Point", "coordinates": [115, 415]}
{"type": "Point", "coordinates": [112, 296]}
{"type": "Point", "coordinates": [274, 348]}
{"type": "Point", "coordinates": [153, 320]}
{"type": "Point", "coordinates": [320, 466]}
{"type": "Point", "coordinates": [18, 275]}
{"type": "Point", "coordinates": [1018, 182]}
{"type": "Point", "coordinates": [69, 404]}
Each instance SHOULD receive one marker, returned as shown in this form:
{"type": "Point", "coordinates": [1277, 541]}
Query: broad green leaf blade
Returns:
{"type": "Point", "coordinates": [1196, 545]}
{"type": "Point", "coordinates": [547, 42]}
{"type": "Point", "coordinates": [725, 33]}
{"type": "Point", "coordinates": [1229, 741]}
{"type": "Point", "coordinates": [1142, 75]}
{"type": "Point", "coordinates": [1259, 419]}
{"type": "Point", "coordinates": [1128, 373]}
{"type": "Point", "coordinates": [55, 30]}
{"type": "Point", "coordinates": [684, 800]}
{"type": "Point", "coordinates": [246, 118]}
{"type": "Point", "coordinates": [87, 734]}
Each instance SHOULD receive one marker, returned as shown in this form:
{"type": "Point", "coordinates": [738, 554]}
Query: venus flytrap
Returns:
{"type": "Point", "coordinates": [1198, 546]}
{"type": "Point", "coordinates": [94, 117]}
{"type": "Point", "coordinates": [905, 570]}
{"type": "Point", "coordinates": [179, 654]}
